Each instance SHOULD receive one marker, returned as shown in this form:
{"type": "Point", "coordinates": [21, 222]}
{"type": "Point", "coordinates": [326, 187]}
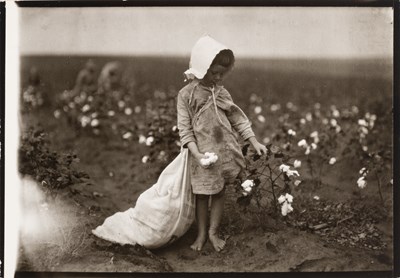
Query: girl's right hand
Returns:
{"type": "Point", "coordinates": [199, 156]}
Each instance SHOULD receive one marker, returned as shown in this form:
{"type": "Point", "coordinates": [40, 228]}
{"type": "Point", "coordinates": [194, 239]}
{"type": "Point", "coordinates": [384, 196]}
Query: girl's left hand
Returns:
{"type": "Point", "coordinates": [259, 148]}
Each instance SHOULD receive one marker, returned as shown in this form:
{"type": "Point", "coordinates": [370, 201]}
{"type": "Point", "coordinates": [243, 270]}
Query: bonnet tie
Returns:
{"type": "Point", "coordinates": [215, 106]}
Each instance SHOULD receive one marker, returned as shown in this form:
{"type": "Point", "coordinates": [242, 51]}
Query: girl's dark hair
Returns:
{"type": "Point", "coordinates": [224, 58]}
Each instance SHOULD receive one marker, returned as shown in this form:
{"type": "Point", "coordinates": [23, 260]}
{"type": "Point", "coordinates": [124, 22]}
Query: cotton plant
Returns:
{"type": "Point", "coordinates": [268, 176]}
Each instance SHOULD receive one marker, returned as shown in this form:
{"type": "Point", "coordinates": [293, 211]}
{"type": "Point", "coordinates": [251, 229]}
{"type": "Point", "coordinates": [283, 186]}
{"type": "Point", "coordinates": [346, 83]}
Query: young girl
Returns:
{"type": "Point", "coordinates": [209, 121]}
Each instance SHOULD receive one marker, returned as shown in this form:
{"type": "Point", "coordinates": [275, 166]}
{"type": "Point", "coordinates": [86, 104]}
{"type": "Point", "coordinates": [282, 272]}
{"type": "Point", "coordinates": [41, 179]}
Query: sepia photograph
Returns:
{"type": "Point", "coordinates": [203, 139]}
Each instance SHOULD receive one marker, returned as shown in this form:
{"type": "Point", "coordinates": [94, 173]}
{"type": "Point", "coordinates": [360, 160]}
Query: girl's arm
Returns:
{"type": "Point", "coordinates": [188, 140]}
{"type": "Point", "coordinates": [260, 148]}
{"type": "Point", "coordinates": [184, 122]}
{"type": "Point", "coordinates": [241, 123]}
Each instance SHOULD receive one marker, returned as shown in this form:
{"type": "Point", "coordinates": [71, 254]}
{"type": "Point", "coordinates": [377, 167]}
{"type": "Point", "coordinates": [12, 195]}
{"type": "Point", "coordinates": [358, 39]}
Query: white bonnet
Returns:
{"type": "Point", "coordinates": [203, 53]}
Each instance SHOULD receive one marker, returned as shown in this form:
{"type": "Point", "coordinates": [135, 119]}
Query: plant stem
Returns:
{"type": "Point", "coordinates": [379, 188]}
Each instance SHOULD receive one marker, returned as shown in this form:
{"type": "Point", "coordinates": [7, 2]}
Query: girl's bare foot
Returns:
{"type": "Point", "coordinates": [199, 243]}
{"type": "Point", "coordinates": [217, 242]}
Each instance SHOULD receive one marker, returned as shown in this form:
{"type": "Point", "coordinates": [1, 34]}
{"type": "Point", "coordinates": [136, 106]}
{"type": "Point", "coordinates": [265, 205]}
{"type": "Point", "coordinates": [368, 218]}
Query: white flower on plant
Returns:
{"type": "Point", "coordinates": [57, 114]}
{"type": "Point", "coordinates": [289, 197]}
{"type": "Point", "coordinates": [292, 132]}
{"type": "Point", "coordinates": [364, 130]}
{"type": "Point", "coordinates": [309, 117]}
{"type": "Point", "coordinates": [286, 208]}
{"type": "Point", "coordinates": [284, 168]}
{"type": "Point", "coordinates": [275, 107]}
{"type": "Point", "coordinates": [261, 118]}
{"type": "Point", "coordinates": [95, 122]}
{"type": "Point", "coordinates": [313, 146]}
{"type": "Point", "coordinates": [364, 172]}
{"type": "Point", "coordinates": [257, 109]}
{"type": "Point", "coordinates": [128, 111]}
{"type": "Point", "coordinates": [111, 113]}
{"type": "Point", "coordinates": [297, 163]}
{"type": "Point", "coordinates": [314, 134]}
{"type": "Point", "coordinates": [308, 150]}
{"type": "Point", "coordinates": [362, 122]}
{"type": "Point", "coordinates": [85, 120]}
{"type": "Point", "coordinates": [145, 159]}
{"type": "Point", "coordinates": [142, 139]}
{"type": "Point", "coordinates": [302, 143]}
{"type": "Point", "coordinates": [121, 104]}
{"type": "Point", "coordinates": [247, 183]}
{"type": "Point", "coordinates": [127, 135]}
{"type": "Point", "coordinates": [85, 108]}
{"type": "Point", "coordinates": [281, 199]}
{"type": "Point", "coordinates": [266, 140]}
{"type": "Point", "coordinates": [248, 189]}
{"type": "Point", "coordinates": [336, 113]}
{"type": "Point", "coordinates": [286, 201]}
{"type": "Point", "coordinates": [210, 158]}
{"type": "Point", "coordinates": [297, 182]}
{"type": "Point", "coordinates": [290, 173]}
{"type": "Point", "coordinates": [303, 121]}
{"type": "Point", "coordinates": [333, 122]}
{"type": "Point", "coordinates": [361, 182]}
{"type": "Point", "coordinates": [332, 160]}
{"type": "Point", "coordinates": [316, 198]}
{"type": "Point", "coordinates": [138, 109]}
{"type": "Point", "coordinates": [161, 155]}
{"type": "Point", "coordinates": [149, 140]}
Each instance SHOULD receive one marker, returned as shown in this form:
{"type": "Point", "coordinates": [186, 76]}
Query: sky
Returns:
{"type": "Point", "coordinates": [315, 32]}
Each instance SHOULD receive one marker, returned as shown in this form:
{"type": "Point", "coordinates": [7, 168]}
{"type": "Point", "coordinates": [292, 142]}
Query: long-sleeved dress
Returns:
{"type": "Point", "coordinates": [199, 122]}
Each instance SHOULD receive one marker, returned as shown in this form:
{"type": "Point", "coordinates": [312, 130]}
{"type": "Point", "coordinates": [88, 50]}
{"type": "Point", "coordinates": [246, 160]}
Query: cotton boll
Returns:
{"type": "Point", "coordinates": [289, 197]}
{"type": "Point", "coordinates": [284, 168]}
{"type": "Point", "coordinates": [302, 143]}
{"type": "Point", "coordinates": [142, 139]}
{"type": "Point", "coordinates": [290, 173]}
{"type": "Point", "coordinates": [332, 160]}
{"type": "Point", "coordinates": [297, 182]}
{"type": "Point", "coordinates": [361, 182]}
{"type": "Point", "coordinates": [247, 183]}
{"type": "Point", "coordinates": [248, 189]}
{"type": "Point", "coordinates": [297, 163]}
{"type": "Point", "coordinates": [205, 161]}
{"type": "Point", "coordinates": [281, 199]}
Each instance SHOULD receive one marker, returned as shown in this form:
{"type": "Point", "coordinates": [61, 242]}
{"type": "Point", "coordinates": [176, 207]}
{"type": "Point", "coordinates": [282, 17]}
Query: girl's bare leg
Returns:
{"type": "Point", "coordinates": [201, 219]}
{"type": "Point", "coordinates": [217, 208]}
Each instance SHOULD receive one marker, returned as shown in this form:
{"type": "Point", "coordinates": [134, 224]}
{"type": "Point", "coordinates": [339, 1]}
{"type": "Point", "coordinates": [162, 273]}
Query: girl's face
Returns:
{"type": "Point", "coordinates": [214, 75]}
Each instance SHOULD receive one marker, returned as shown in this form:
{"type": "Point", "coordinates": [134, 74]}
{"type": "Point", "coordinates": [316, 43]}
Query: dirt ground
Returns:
{"type": "Point", "coordinates": [118, 177]}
